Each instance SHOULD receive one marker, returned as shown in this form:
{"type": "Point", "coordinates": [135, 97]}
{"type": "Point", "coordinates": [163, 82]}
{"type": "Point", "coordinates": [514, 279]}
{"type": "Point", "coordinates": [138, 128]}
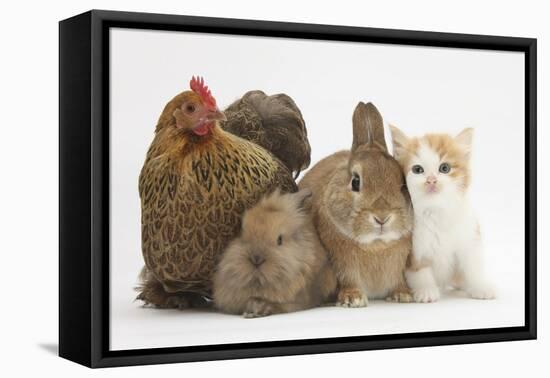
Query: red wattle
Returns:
{"type": "Point", "coordinates": [202, 130]}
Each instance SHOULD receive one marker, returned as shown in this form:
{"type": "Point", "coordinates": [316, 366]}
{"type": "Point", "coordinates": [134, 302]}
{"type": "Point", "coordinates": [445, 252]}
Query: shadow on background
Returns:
{"type": "Point", "coordinates": [50, 348]}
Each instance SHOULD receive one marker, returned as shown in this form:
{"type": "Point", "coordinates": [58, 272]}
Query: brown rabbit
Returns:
{"type": "Point", "coordinates": [363, 215]}
{"type": "Point", "coordinates": [276, 264]}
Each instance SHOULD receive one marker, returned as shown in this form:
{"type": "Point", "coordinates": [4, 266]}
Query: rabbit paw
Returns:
{"type": "Point", "coordinates": [426, 295]}
{"type": "Point", "coordinates": [256, 308]}
{"type": "Point", "coordinates": [482, 291]}
{"type": "Point", "coordinates": [400, 296]}
{"type": "Point", "coordinates": [352, 298]}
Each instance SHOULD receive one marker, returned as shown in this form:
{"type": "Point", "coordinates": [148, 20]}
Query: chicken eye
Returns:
{"type": "Point", "coordinates": [190, 108]}
{"type": "Point", "coordinates": [280, 240]}
{"type": "Point", "coordinates": [417, 169]}
{"type": "Point", "coordinates": [444, 168]}
{"type": "Point", "coordinates": [355, 182]}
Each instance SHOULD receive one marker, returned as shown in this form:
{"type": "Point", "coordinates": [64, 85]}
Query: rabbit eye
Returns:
{"type": "Point", "coordinates": [444, 168]}
{"type": "Point", "coordinates": [355, 182]}
{"type": "Point", "coordinates": [417, 169]}
{"type": "Point", "coordinates": [280, 240]}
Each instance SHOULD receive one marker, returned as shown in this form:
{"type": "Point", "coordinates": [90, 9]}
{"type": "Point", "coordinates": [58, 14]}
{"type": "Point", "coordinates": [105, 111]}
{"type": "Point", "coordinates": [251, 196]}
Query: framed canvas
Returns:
{"type": "Point", "coordinates": [174, 128]}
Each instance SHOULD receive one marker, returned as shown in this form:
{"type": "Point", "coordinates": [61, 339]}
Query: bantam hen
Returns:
{"type": "Point", "coordinates": [196, 182]}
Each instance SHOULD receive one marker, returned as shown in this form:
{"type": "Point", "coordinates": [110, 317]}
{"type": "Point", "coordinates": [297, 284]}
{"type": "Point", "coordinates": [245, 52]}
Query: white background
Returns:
{"type": "Point", "coordinates": [29, 191]}
{"type": "Point", "coordinates": [420, 89]}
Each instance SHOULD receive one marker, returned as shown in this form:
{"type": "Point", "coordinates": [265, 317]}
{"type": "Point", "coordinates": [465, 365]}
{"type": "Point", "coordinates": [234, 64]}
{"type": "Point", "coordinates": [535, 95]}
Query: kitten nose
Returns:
{"type": "Point", "coordinates": [257, 260]}
{"type": "Point", "coordinates": [381, 222]}
{"type": "Point", "coordinates": [431, 180]}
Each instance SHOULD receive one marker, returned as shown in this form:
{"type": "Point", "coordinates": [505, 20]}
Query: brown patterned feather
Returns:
{"type": "Point", "coordinates": [273, 122]}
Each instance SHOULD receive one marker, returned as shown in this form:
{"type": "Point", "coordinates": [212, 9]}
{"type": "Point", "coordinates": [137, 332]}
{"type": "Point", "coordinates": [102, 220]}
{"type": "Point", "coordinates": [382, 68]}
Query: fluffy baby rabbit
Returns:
{"type": "Point", "coordinates": [363, 215]}
{"type": "Point", "coordinates": [276, 264]}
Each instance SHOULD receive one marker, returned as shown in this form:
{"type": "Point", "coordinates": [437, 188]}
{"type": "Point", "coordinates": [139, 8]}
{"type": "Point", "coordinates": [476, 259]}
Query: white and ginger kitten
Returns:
{"type": "Point", "coordinates": [447, 249]}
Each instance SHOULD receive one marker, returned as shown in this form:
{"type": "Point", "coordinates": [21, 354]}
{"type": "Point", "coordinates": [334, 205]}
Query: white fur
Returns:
{"type": "Point", "coordinates": [385, 236]}
{"type": "Point", "coordinates": [445, 234]}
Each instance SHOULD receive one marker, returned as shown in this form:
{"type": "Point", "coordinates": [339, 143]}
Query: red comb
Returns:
{"type": "Point", "coordinates": [197, 86]}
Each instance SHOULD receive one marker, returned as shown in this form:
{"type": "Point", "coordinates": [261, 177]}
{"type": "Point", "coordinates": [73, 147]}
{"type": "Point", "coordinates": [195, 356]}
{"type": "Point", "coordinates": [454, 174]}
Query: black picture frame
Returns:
{"type": "Point", "coordinates": [84, 187]}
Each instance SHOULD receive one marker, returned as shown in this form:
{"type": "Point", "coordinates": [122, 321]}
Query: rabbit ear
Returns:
{"type": "Point", "coordinates": [361, 134]}
{"type": "Point", "coordinates": [368, 126]}
{"type": "Point", "coordinates": [302, 196]}
{"type": "Point", "coordinates": [376, 126]}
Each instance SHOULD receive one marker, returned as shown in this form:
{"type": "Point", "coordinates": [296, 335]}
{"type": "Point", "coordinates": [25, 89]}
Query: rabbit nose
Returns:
{"type": "Point", "coordinates": [431, 180]}
{"type": "Point", "coordinates": [381, 221]}
{"type": "Point", "coordinates": [257, 259]}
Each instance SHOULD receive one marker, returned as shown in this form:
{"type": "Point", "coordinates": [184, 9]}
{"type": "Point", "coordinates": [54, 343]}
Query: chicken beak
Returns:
{"type": "Point", "coordinates": [216, 115]}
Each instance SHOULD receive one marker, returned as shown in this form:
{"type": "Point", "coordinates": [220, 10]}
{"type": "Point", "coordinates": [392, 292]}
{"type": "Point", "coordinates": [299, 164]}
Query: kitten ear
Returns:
{"type": "Point", "coordinates": [464, 139]}
{"type": "Point", "coordinates": [400, 141]}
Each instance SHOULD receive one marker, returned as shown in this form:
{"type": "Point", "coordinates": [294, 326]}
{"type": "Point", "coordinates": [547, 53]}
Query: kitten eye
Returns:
{"type": "Point", "coordinates": [280, 240]}
{"type": "Point", "coordinates": [355, 182]}
{"type": "Point", "coordinates": [190, 108]}
{"type": "Point", "coordinates": [417, 169]}
{"type": "Point", "coordinates": [444, 168]}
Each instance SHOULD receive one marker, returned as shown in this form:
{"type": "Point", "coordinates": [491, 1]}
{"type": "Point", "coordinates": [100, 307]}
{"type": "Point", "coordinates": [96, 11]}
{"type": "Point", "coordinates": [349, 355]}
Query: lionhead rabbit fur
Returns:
{"type": "Point", "coordinates": [276, 264]}
{"type": "Point", "coordinates": [362, 211]}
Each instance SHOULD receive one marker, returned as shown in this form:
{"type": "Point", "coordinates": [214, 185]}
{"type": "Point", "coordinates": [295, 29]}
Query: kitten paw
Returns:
{"type": "Point", "coordinates": [352, 298]}
{"type": "Point", "coordinates": [427, 295]}
{"type": "Point", "coordinates": [400, 296]}
{"type": "Point", "coordinates": [256, 308]}
{"type": "Point", "coordinates": [485, 291]}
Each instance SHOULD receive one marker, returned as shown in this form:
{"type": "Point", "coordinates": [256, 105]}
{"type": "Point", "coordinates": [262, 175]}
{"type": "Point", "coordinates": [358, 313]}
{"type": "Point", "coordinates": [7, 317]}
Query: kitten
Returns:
{"type": "Point", "coordinates": [447, 246]}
